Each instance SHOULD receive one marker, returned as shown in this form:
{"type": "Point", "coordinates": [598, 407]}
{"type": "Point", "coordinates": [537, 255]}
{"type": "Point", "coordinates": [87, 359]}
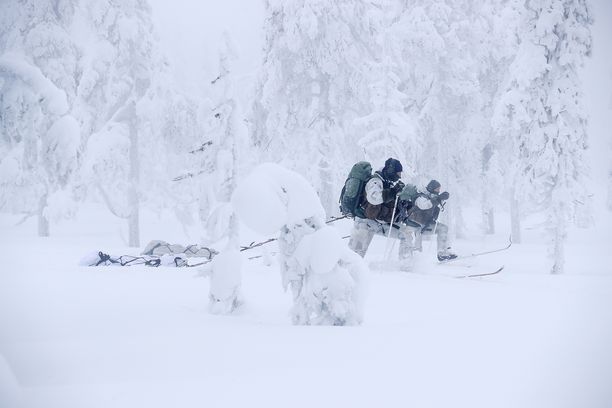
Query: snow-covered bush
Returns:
{"type": "Point", "coordinates": [325, 277]}
{"type": "Point", "coordinates": [225, 279]}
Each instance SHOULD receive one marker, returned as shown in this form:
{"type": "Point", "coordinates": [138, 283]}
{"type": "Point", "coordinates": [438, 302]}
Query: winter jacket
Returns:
{"type": "Point", "coordinates": [379, 198]}
{"type": "Point", "coordinates": [425, 210]}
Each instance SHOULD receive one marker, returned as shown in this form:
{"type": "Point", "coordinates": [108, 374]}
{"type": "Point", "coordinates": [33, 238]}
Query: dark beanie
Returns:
{"type": "Point", "coordinates": [432, 185]}
{"type": "Point", "coordinates": [393, 165]}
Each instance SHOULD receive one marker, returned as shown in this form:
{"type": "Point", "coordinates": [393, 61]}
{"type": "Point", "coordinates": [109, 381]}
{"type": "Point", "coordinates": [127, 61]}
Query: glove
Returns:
{"type": "Point", "coordinates": [443, 196]}
{"type": "Point", "coordinates": [390, 193]}
{"type": "Point", "coordinates": [399, 186]}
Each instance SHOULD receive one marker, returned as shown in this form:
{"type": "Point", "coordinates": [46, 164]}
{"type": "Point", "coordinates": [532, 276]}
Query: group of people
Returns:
{"type": "Point", "coordinates": [400, 211]}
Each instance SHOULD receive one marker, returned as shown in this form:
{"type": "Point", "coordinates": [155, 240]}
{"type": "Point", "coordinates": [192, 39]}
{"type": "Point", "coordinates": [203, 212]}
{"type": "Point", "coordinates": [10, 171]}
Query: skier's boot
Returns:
{"type": "Point", "coordinates": [446, 255]}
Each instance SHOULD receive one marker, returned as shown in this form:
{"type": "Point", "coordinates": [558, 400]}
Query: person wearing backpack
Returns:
{"type": "Point", "coordinates": [377, 208]}
{"type": "Point", "coordinates": [422, 218]}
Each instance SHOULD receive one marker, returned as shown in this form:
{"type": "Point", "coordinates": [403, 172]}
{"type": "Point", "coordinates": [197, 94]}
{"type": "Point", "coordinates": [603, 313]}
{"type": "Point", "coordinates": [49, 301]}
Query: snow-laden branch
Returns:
{"type": "Point", "coordinates": [53, 98]}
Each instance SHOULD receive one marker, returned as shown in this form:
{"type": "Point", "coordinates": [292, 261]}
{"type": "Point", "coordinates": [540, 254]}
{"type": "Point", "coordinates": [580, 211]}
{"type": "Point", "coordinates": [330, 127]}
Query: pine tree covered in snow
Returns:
{"type": "Point", "coordinates": [40, 143]}
{"type": "Point", "coordinates": [77, 95]}
{"type": "Point", "coordinates": [227, 134]}
{"type": "Point", "coordinates": [438, 44]}
{"type": "Point", "coordinates": [495, 51]}
{"type": "Point", "coordinates": [117, 83]}
{"type": "Point", "coordinates": [387, 130]}
{"type": "Point", "coordinates": [541, 108]}
{"type": "Point", "coordinates": [313, 85]}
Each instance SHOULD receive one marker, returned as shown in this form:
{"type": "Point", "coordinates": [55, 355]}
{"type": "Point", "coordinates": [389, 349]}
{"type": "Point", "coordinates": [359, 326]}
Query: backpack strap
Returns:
{"type": "Point", "coordinates": [386, 183]}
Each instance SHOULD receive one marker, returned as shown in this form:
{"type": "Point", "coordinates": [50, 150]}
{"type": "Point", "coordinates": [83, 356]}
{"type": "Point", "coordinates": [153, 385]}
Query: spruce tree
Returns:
{"type": "Point", "coordinates": [313, 85]}
{"type": "Point", "coordinates": [542, 107]}
{"type": "Point", "coordinates": [41, 139]}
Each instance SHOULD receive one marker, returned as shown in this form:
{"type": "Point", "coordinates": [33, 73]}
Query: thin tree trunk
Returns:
{"type": "Point", "coordinates": [134, 222]}
{"type": "Point", "coordinates": [133, 199]}
{"type": "Point", "coordinates": [490, 221]}
{"type": "Point", "coordinates": [43, 222]}
{"type": "Point", "coordinates": [488, 214]}
{"type": "Point", "coordinates": [515, 220]}
{"type": "Point", "coordinates": [233, 233]}
{"type": "Point", "coordinates": [559, 244]}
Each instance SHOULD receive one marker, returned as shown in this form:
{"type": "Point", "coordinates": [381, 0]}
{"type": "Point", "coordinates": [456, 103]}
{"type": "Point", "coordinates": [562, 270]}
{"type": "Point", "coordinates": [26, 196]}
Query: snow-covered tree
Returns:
{"type": "Point", "coordinates": [227, 134]}
{"type": "Point", "coordinates": [541, 108]}
{"type": "Point", "coordinates": [324, 275]}
{"type": "Point", "coordinates": [387, 130]}
{"type": "Point", "coordinates": [76, 83]}
{"type": "Point", "coordinates": [40, 141]}
{"type": "Point", "coordinates": [178, 120]}
{"type": "Point", "coordinates": [438, 42]}
{"type": "Point", "coordinates": [498, 21]}
{"type": "Point", "coordinates": [313, 85]}
{"type": "Point", "coordinates": [115, 82]}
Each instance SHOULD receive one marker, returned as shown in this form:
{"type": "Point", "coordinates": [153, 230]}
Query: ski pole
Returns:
{"type": "Point", "coordinates": [387, 248]}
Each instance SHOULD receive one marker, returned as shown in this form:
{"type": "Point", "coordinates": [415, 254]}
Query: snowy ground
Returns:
{"type": "Point", "coordinates": [79, 337]}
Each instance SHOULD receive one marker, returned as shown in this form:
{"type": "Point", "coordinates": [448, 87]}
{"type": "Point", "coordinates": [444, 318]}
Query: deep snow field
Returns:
{"type": "Point", "coordinates": [85, 337]}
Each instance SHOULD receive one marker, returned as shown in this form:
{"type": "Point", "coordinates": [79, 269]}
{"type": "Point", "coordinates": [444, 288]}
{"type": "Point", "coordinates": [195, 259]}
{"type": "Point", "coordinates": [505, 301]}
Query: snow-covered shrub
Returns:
{"type": "Point", "coordinates": [225, 279]}
{"type": "Point", "coordinates": [325, 277]}
{"type": "Point", "coordinates": [331, 284]}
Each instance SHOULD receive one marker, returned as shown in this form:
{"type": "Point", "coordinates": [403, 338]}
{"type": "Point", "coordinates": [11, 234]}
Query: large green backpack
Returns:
{"type": "Point", "coordinates": [352, 192]}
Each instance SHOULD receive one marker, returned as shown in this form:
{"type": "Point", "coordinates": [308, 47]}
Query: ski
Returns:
{"type": "Point", "coordinates": [477, 275]}
{"type": "Point", "coordinates": [479, 253]}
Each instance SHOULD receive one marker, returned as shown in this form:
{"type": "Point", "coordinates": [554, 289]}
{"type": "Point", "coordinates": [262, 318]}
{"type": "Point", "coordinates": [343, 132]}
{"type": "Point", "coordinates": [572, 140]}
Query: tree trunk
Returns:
{"type": "Point", "coordinates": [515, 220]}
{"type": "Point", "coordinates": [230, 144]}
{"type": "Point", "coordinates": [134, 222]}
{"type": "Point", "coordinates": [133, 199]}
{"type": "Point", "coordinates": [488, 219]}
{"type": "Point", "coordinates": [488, 214]}
{"type": "Point", "coordinates": [491, 221]}
{"type": "Point", "coordinates": [43, 222]}
{"type": "Point", "coordinates": [558, 244]}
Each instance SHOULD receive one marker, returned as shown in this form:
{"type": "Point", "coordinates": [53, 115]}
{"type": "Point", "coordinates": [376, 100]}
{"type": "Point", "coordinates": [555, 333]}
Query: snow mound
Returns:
{"type": "Point", "coordinates": [321, 250]}
{"type": "Point", "coordinates": [273, 196]}
{"type": "Point", "coordinates": [225, 282]}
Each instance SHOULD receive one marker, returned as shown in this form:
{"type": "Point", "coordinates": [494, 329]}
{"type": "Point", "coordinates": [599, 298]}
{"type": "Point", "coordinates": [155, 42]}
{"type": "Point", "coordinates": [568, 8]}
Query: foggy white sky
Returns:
{"type": "Point", "coordinates": [190, 33]}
